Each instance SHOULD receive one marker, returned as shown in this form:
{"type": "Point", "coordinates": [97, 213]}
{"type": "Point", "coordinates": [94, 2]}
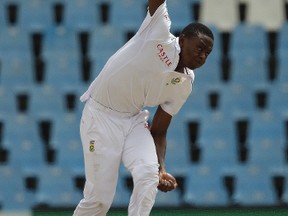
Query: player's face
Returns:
{"type": "Point", "coordinates": [195, 50]}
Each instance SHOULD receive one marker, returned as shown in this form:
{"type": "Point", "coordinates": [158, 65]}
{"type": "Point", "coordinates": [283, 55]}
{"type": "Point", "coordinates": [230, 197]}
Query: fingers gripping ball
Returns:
{"type": "Point", "coordinates": [166, 182]}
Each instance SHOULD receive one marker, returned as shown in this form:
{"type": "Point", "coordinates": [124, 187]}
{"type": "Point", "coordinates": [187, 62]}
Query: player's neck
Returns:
{"type": "Point", "coordinates": [180, 68]}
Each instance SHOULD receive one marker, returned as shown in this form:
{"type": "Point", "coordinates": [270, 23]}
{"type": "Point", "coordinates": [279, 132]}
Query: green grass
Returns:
{"type": "Point", "coordinates": [187, 212]}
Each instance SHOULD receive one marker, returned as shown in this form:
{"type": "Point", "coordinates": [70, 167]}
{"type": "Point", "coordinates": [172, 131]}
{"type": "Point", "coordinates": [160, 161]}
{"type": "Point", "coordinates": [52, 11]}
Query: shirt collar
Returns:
{"type": "Point", "coordinates": [177, 46]}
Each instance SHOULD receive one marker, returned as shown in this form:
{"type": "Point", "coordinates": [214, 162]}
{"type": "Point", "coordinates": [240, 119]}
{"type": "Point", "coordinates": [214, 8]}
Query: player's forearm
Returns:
{"type": "Point", "coordinates": [159, 128]}
{"type": "Point", "coordinates": [153, 5]}
{"type": "Point", "coordinates": [160, 142]}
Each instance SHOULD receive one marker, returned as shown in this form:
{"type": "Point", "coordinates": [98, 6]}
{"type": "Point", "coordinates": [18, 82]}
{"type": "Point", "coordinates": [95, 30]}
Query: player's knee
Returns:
{"type": "Point", "coordinates": [147, 174]}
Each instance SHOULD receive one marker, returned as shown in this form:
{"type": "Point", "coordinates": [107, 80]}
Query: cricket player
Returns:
{"type": "Point", "coordinates": [154, 68]}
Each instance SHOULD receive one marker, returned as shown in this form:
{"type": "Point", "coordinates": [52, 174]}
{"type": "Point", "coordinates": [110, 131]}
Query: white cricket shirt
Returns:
{"type": "Point", "coordinates": [141, 73]}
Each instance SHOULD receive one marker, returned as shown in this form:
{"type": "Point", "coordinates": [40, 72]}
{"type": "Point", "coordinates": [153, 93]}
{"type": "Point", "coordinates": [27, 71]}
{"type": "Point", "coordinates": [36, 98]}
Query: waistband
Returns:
{"type": "Point", "coordinates": [108, 110]}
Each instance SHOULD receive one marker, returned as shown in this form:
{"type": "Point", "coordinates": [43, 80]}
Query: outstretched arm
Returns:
{"type": "Point", "coordinates": [158, 130]}
{"type": "Point", "coordinates": [153, 5]}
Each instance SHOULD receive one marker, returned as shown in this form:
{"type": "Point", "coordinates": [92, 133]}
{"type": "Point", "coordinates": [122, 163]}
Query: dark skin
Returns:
{"type": "Point", "coordinates": [194, 52]}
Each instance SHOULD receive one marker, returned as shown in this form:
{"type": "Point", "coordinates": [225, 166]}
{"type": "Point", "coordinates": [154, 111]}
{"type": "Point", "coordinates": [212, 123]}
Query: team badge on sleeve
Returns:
{"type": "Point", "coordinates": [177, 80]}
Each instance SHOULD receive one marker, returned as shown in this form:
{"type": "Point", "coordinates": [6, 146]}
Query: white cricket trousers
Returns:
{"type": "Point", "coordinates": [109, 138]}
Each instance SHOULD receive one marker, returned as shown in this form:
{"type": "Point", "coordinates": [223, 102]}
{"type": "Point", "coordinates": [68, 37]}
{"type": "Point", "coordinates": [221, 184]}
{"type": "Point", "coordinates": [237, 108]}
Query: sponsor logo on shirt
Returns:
{"type": "Point", "coordinates": [163, 55]}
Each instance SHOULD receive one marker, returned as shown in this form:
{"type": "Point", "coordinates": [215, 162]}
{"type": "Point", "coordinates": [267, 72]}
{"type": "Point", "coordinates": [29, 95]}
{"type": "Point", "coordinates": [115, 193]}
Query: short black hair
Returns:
{"type": "Point", "coordinates": [193, 29]}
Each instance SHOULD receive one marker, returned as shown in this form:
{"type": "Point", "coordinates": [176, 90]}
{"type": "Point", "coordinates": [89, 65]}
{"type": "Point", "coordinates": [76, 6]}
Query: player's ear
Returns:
{"type": "Point", "coordinates": [181, 40]}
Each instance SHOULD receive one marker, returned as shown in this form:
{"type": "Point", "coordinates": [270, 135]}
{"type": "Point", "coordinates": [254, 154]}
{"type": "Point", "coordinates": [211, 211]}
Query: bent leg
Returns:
{"type": "Point", "coordinates": [145, 179]}
{"type": "Point", "coordinates": [140, 158]}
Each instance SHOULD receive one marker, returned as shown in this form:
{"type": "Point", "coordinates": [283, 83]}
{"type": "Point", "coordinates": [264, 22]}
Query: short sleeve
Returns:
{"type": "Point", "coordinates": [174, 105]}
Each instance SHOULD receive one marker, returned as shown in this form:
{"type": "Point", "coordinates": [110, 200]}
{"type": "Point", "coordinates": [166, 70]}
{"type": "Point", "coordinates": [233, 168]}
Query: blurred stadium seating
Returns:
{"type": "Point", "coordinates": [50, 51]}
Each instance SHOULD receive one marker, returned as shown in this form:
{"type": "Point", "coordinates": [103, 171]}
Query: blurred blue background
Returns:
{"type": "Point", "coordinates": [227, 146]}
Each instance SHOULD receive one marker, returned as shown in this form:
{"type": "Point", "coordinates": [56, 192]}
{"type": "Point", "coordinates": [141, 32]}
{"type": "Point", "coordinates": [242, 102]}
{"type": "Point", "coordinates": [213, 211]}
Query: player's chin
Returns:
{"type": "Point", "coordinates": [198, 65]}
{"type": "Point", "coordinates": [195, 66]}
